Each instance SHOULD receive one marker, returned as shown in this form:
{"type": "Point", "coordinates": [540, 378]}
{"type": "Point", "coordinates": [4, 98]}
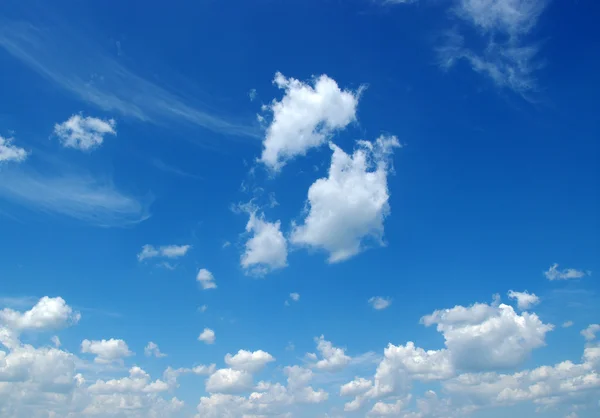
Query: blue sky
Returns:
{"type": "Point", "coordinates": [299, 209]}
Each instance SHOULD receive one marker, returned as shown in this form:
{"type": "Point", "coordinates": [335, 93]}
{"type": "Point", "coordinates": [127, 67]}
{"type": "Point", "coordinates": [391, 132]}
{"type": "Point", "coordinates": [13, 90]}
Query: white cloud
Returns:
{"type": "Point", "coordinates": [203, 308]}
{"type": "Point", "coordinates": [56, 55]}
{"type": "Point", "coordinates": [389, 409]}
{"type": "Point", "coordinates": [266, 250]}
{"type": "Point", "coordinates": [333, 358]}
{"type": "Point", "coordinates": [56, 341]}
{"type": "Point", "coordinates": [206, 279]}
{"type": "Point", "coordinates": [348, 208]}
{"type": "Point", "coordinates": [356, 387]}
{"type": "Point", "coordinates": [295, 296]}
{"type": "Point", "coordinates": [249, 361]}
{"type": "Point", "coordinates": [306, 117]}
{"type": "Point", "coordinates": [379, 302]}
{"type": "Point", "coordinates": [590, 332]}
{"type": "Point", "coordinates": [567, 324]}
{"type": "Point", "coordinates": [84, 133]}
{"type": "Point", "coordinates": [500, 336]}
{"type": "Point", "coordinates": [252, 94]}
{"type": "Point", "coordinates": [169, 251]}
{"type": "Point", "coordinates": [553, 273]}
{"type": "Point", "coordinates": [106, 351]}
{"type": "Point", "coordinates": [152, 350]}
{"type": "Point", "coordinates": [138, 381]}
{"type": "Point", "coordinates": [503, 24]}
{"type": "Point", "coordinates": [81, 197]}
{"type": "Point", "coordinates": [47, 314]}
{"type": "Point", "coordinates": [207, 336]}
{"type": "Point", "coordinates": [10, 152]}
{"type": "Point", "coordinates": [229, 381]}
{"type": "Point", "coordinates": [524, 299]}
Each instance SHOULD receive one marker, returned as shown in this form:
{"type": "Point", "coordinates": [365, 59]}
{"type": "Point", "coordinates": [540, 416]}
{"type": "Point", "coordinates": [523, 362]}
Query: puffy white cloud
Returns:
{"type": "Point", "coordinates": [207, 336]}
{"type": "Point", "coordinates": [500, 336]}
{"type": "Point", "coordinates": [152, 350]}
{"type": "Point", "coordinates": [553, 273]}
{"type": "Point", "coordinates": [389, 409]}
{"type": "Point", "coordinates": [590, 332]}
{"type": "Point", "coordinates": [333, 358]}
{"type": "Point", "coordinates": [84, 133]}
{"type": "Point", "coordinates": [567, 324]}
{"type": "Point", "coordinates": [138, 381]}
{"type": "Point", "coordinates": [379, 302]}
{"type": "Point", "coordinates": [306, 117]}
{"type": "Point", "coordinates": [349, 206]}
{"type": "Point", "coordinates": [169, 251]}
{"type": "Point", "coordinates": [206, 279]}
{"type": "Point", "coordinates": [47, 314]}
{"type": "Point", "coordinates": [248, 360]}
{"type": "Point", "coordinates": [356, 387]}
{"type": "Point", "coordinates": [525, 300]}
{"type": "Point", "coordinates": [229, 381]}
{"type": "Point", "coordinates": [266, 249]}
{"type": "Point", "coordinates": [10, 152]}
{"type": "Point", "coordinates": [106, 351]}
{"type": "Point", "coordinates": [295, 296]}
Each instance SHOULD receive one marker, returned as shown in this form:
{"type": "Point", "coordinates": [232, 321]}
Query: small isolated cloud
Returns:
{"type": "Point", "coordinates": [554, 273]}
{"type": "Point", "coordinates": [524, 299]}
{"type": "Point", "coordinates": [106, 351]}
{"type": "Point", "coordinates": [84, 133]}
{"type": "Point", "coordinates": [567, 324]}
{"type": "Point", "coordinates": [306, 117]}
{"type": "Point", "coordinates": [168, 251]}
{"type": "Point", "coordinates": [206, 279]}
{"type": "Point", "coordinates": [203, 308]}
{"type": "Point", "coordinates": [252, 94]}
{"type": "Point", "coordinates": [207, 336]}
{"type": "Point", "coordinates": [56, 341]}
{"type": "Point", "coordinates": [295, 296]}
{"type": "Point", "coordinates": [152, 350]}
{"type": "Point", "coordinates": [266, 249]}
{"type": "Point", "coordinates": [590, 332]}
{"type": "Point", "coordinates": [346, 210]}
{"type": "Point", "coordinates": [10, 152]}
{"type": "Point", "coordinates": [379, 303]}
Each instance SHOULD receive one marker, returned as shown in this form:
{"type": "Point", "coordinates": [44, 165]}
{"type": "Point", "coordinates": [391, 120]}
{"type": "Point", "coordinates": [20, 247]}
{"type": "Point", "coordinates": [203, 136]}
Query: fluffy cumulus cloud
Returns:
{"type": "Point", "coordinates": [207, 336]}
{"type": "Point", "coordinates": [332, 358]}
{"type": "Point", "coordinates": [249, 361]}
{"type": "Point", "coordinates": [47, 314]}
{"type": "Point", "coordinates": [206, 279]}
{"type": "Point", "coordinates": [554, 273]}
{"type": "Point", "coordinates": [229, 381]}
{"type": "Point", "coordinates": [168, 251]}
{"type": "Point", "coordinates": [306, 117]}
{"type": "Point", "coordinates": [525, 300]}
{"type": "Point", "coordinates": [84, 133]}
{"type": "Point", "coordinates": [590, 332]}
{"type": "Point", "coordinates": [106, 351]}
{"type": "Point", "coordinates": [346, 210]}
{"type": "Point", "coordinates": [11, 152]}
{"type": "Point", "coordinates": [39, 382]}
{"type": "Point", "coordinates": [266, 249]}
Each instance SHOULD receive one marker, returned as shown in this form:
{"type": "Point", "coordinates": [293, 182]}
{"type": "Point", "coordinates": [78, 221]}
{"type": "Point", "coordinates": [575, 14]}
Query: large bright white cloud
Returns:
{"type": "Point", "coordinates": [266, 249]}
{"type": "Point", "coordinates": [11, 152]}
{"type": "Point", "coordinates": [346, 210]}
{"type": "Point", "coordinates": [47, 314]}
{"type": "Point", "coordinates": [106, 351]}
{"type": "Point", "coordinates": [305, 117]}
{"type": "Point", "coordinates": [229, 381]}
{"type": "Point", "coordinates": [84, 133]}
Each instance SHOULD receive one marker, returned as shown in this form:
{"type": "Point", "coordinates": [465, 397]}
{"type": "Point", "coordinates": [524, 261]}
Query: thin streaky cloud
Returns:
{"type": "Point", "coordinates": [81, 197]}
{"type": "Point", "coordinates": [99, 79]}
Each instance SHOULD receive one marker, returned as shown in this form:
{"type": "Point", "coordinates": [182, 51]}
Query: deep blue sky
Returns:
{"type": "Point", "coordinates": [496, 180]}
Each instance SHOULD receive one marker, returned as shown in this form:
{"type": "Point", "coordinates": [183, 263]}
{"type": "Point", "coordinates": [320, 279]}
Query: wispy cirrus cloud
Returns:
{"type": "Point", "coordinates": [97, 78]}
{"type": "Point", "coordinates": [82, 197]}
